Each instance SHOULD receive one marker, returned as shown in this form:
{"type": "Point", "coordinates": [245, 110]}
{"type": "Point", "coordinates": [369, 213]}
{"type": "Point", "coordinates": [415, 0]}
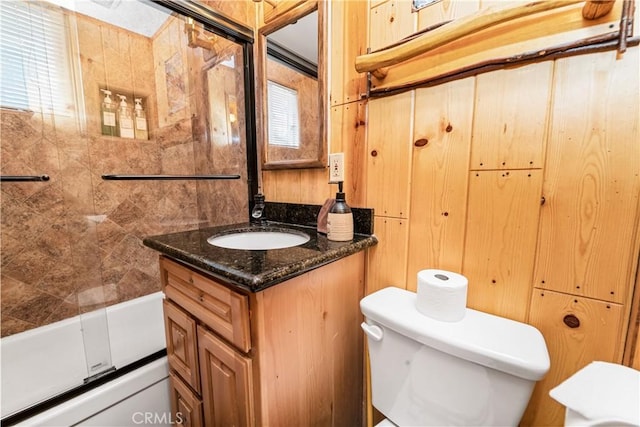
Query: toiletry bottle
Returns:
{"type": "Point", "coordinates": [125, 119]}
{"type": "Point", "coordinates": [340, 220]}
{"type": "Point", "coordinates": [108, 114]}
{"type": "Point", "coordinates": [140, 121]}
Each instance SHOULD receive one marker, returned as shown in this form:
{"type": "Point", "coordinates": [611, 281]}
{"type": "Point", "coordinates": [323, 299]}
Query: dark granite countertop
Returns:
{"type": "Point", "coordinates": [255, 270]}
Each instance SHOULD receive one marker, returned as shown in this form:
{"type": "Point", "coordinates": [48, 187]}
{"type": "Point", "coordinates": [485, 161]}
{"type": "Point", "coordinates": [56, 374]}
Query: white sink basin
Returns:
{"type": "Point", "coordinates": [258, 240]}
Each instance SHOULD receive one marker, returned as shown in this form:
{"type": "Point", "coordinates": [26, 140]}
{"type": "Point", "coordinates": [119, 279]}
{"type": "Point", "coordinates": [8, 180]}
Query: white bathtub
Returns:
{"type": "Point", "coordinates": [42, 362]}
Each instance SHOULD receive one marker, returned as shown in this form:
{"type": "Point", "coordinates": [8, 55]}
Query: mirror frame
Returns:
{"type": "Point", "coordinates": [274, 24]}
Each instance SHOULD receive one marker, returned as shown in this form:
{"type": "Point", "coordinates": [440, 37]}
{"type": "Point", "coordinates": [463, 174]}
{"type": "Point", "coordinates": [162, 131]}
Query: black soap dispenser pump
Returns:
{"type": "Point", "coordinates": [340, 219]}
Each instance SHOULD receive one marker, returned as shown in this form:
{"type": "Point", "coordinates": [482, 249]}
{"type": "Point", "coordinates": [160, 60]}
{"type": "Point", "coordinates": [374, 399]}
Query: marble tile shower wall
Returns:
{"type": "Point", "coordinates": [73, 244]}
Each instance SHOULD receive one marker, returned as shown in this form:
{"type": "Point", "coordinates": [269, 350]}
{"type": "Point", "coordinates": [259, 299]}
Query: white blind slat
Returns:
{"type": "Point", "coordinates": [284, 127]}
{"type": "Point", "coordinates": [34, 58]}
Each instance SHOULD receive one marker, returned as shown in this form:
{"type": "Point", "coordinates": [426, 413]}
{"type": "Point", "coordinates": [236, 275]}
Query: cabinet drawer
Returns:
{"type": "Point", "coordinates": [223, 310]}
{"type": "Point", "coordinates": [186, 407]}
{"type": "Point", "coordinates": [182, 344]}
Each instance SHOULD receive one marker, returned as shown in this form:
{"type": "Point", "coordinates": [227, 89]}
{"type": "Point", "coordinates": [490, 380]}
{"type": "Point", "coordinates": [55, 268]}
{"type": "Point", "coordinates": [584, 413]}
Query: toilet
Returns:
{"type": "Point", "coordinates": [600, 394]}
{"type": "Point", "coordinates": [480, 370]}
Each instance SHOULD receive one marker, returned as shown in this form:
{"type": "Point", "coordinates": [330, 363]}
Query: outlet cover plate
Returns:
{"type": "Point", "coordinates": [336, 168]}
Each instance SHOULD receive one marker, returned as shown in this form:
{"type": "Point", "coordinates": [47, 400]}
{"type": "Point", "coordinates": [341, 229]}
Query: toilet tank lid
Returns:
{"type": "Point", "coordinates": [495, 342]}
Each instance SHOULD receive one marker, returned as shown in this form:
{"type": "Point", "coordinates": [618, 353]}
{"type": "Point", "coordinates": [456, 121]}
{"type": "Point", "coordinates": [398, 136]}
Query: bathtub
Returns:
{"type": "Point", "coordinates": [57, 359]}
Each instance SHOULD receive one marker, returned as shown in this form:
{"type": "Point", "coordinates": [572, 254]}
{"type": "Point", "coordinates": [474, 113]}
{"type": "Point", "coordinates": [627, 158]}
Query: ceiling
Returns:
{"type": "Point", "coordinates": [143, 18]}
{"type": "Point", "coordinates": [300, 37]}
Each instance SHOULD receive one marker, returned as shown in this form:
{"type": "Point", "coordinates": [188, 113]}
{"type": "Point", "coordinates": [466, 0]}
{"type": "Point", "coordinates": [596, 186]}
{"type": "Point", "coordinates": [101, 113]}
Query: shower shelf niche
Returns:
{"type": "Point", "coordinates": [109, 117]}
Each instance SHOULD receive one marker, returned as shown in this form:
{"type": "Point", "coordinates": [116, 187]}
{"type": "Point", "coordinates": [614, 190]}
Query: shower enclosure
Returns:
{"type": "Point", "coordinates": [118, 120]}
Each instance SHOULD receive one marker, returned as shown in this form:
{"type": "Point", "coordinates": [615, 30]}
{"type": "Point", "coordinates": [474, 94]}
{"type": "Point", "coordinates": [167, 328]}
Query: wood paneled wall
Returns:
{"type": "Point", "coordinates": [526, 180]}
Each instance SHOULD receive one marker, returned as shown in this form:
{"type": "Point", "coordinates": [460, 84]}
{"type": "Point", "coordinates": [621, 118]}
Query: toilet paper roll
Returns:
{"type": "Point", "coordinates": [442, 295]}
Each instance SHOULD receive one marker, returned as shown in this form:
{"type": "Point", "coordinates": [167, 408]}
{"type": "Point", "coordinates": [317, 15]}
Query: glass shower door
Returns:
{"type": "Point", "coordinates": [72, 244]}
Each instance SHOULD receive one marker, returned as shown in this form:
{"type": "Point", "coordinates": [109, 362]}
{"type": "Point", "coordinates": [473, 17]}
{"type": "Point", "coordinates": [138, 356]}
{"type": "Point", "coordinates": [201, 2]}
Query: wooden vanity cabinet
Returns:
{"type": "Point", "coordinates": [288, 355]}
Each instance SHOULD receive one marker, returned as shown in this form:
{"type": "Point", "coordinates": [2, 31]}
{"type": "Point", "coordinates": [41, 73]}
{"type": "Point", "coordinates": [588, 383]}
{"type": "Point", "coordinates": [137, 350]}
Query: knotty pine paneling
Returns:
{"type": "Point", "coordinates": [500, 243]}
{"type": "Point", "coordinates": [634, 360]}
{"type": "Point", "coordinates": [510, 119]}
{"type": "Point", "coordinates": [506, 40]}
{"type": "Point", "coordinates": [308, 186]}
{"type": "Point", "coordinates": [347, 133]}
{"type": "Point", "coordinates": [387, 259]}
{"type": "Point", "coordinates": [570, 349]}
{"type": "Point", "coordinates": [445, 11]}
{"type": "Point", "coordinates": [442, 122]}
{"type": "Point", "coordinates": [348, 40]}
{"type": "Point", "coordinates": [283, 7]}
{"type": "Point", "coordinates": [326, 314]}
{"type": "Point", "coordinates": [240, 11]}
{"type": "Point", "coordinates": [389, 22]}
{"type": "Point", "coordinates": [389, 155]}
{"type": "Point", "coordinates": [589, 221]}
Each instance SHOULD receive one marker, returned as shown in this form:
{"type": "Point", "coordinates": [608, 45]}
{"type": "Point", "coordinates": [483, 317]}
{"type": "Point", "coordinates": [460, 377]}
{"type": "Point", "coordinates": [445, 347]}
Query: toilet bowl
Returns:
{"type": "Point", "coordinates": [600, 394]}
{"type": "Point", "coordinates": [480, 370]}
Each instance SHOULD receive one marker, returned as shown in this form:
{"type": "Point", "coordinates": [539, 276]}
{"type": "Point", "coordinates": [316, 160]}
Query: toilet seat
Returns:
{"type": "Point", "coordinates": [574, 419]}
{"type": "Point", "coordinates": [601, 394]}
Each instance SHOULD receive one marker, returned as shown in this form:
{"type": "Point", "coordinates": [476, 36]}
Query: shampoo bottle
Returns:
{"type": "Point", "coordinates": [340, 220]}
{"type": "Point", "coordinates": [125, 119]}
{"type": "Point", "coordinates": [141, 131]}
{"type": "Point", "coordinates": [108, 114]}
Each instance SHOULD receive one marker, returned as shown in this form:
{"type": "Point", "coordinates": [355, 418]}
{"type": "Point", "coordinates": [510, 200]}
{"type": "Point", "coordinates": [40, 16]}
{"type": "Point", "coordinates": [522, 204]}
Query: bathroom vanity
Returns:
{"type": "Point", "coordinates": [263, 337]}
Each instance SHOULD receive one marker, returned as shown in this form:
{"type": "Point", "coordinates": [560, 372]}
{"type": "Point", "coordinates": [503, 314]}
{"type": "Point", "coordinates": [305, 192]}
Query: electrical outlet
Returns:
{"type": "Point", "coordinates": [336, 168]}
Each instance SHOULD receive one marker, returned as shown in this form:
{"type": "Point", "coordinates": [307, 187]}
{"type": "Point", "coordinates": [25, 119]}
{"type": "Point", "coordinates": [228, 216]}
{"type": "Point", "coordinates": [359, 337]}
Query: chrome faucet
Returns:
{"type": "Point", "coordinates": [257, 213]}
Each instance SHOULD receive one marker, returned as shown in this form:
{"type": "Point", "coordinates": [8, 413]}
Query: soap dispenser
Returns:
{"type": "Point", "coordinates": [125, 119]}
{"type": "Point", "coordinates": [141, 131]}
{"type": "Point", "coordinates": [108, 114]}
{"type": "Point", "coordinates": [340, 219]}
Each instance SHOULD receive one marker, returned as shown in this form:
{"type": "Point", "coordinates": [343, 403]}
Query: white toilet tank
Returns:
{"type": "Point", "coordinates": [478, 371]}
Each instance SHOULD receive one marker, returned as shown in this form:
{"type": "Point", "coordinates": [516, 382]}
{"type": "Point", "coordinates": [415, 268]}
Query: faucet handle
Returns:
{"type": "Point", "coordinates": [257, 213]}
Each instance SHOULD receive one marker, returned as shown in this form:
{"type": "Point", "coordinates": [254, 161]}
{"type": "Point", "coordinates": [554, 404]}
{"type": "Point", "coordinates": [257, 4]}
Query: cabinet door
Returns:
{"type": "Point", "coordinates": [500, 243]}
{"type": "Point", "coordinates": [186, 408]}
{"type": "Point", "coordinates": [227, 383]}
{"type": "Point", "coordinates": [586, 244]}
{"type": "Point", "coordinates": [181, 344]}
{"type": "Point", "coordinates": [577, 331]}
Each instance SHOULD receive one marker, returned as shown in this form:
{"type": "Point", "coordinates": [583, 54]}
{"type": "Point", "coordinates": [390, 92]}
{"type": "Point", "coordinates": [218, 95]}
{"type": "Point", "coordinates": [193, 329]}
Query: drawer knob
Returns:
{"type": "Point", "coordinates": [191, 280]}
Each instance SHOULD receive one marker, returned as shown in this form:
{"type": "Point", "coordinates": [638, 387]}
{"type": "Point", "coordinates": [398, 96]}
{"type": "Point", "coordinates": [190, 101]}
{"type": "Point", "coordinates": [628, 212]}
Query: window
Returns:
{"type": "Point", "coordinates": [35, 71]}
{"type": "Point", "coordinates": [284, 128]}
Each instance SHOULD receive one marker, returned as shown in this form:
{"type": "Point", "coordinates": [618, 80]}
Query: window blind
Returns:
{"type": "Point", "coordinates": [284, 128]}
{"type": "Point", "coordinates": [34, 60]}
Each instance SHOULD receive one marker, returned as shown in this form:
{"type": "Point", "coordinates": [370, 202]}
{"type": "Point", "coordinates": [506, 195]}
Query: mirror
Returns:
{"type": "Point", "coordinates": [291, 83]}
